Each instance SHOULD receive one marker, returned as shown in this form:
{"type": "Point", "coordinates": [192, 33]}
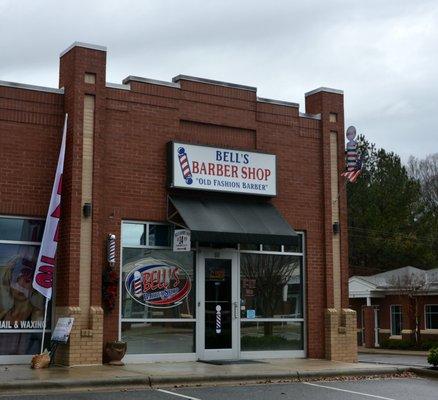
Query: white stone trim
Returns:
{"type": "Point", "coordinates": [278, 102]}
{"type": "Point", "coordinates": [324, 89]}
{"type": "Point", "coordinates": [85, 46]}
{"type": "Point", "coordinates": [17, 85]}
{"type": "Point", "coordinates": [118, 86]}
{"type": "Point", "coordinates": [213, 82]}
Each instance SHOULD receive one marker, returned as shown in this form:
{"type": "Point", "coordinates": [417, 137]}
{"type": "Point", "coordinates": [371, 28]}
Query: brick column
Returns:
{"type": "Point", "coordinates": [340, 335]}
{"type": "Point", "coordinates": [79, 276]}
{"type": "Point", "coordinates": [329, 103]}
{"type": "Point", "coordinates": [368, 324]}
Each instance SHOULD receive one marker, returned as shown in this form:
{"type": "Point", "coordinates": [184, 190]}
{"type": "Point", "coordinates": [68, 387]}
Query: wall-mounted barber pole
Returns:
{"type": "Point", "coordinates": [354, 162]}
{"type": "Point", "coordinates": [111, 250]}
{"type": "Point", "coordinates": [351, 148]}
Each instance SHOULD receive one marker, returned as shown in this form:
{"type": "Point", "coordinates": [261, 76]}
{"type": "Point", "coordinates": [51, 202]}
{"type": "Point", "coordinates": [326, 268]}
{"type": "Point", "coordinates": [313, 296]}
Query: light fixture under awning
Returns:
{"type": "Point", "coordinates": [230, 221]}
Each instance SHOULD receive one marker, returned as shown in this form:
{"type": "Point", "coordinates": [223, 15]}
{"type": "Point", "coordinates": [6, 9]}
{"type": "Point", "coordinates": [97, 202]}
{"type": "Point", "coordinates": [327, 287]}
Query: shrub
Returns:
{"type": "Point", "coordinates": [397, 344]}
{"type": "Point", "coordinates": [428, 344]}
{"type": "Point", "coordinates": [406, 344]}
{"type": "Point", "coordinates": [432, 358]}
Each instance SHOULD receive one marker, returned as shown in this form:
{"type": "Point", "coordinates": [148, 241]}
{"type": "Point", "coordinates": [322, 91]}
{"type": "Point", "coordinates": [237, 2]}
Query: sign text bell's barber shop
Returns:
{"type": "Point", "coordinates": [222, 170]}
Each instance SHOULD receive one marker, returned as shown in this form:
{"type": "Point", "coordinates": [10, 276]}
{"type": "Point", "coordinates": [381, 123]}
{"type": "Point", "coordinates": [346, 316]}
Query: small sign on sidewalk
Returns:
{"type": "Point", "coordinates": [62, 330]}
{"type": "Point", "coordinates": [181, 240]}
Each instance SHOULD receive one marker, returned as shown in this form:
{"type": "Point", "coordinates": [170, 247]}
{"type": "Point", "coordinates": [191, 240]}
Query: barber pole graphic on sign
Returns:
{"type": "Point", "coordinates": [185, 167]}
{"type": "Point", "coordinates": [43, 277]}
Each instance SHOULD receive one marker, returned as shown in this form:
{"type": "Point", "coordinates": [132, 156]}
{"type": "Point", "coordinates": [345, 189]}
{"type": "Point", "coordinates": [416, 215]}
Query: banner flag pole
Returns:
{"type": "Point", "coordinates": [45, 266]}
{"type": "Point", "coordinates": [44, 325]}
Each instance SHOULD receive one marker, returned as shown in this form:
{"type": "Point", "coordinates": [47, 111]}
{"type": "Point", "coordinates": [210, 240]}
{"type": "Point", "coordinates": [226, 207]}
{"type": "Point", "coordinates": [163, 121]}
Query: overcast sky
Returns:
{"type": "Point", "coordinates": [382, 53]}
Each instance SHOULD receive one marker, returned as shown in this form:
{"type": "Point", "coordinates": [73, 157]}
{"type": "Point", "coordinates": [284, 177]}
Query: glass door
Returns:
{"type": "Point", "coordinates": [218, 322]}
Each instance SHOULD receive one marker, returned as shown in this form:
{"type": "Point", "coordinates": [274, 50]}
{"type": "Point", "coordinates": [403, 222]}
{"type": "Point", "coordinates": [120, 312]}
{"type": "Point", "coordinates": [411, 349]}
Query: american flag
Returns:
{"type": "Point", "coordinates": [352, 175]}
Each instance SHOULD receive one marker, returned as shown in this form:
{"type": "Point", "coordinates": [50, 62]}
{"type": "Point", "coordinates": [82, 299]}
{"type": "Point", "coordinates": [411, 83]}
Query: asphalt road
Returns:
{"type": "Point", "coordinates": [393, 359]}
{"type": "Point", "coordinates": [384, 389]}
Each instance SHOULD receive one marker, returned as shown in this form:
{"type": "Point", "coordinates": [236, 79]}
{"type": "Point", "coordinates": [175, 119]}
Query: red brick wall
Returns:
{"type": "Point", "coordinates": [384, 312]}
{"type": "Point", "coordinates": [30, 136]}
{"type": "Point", "coordinates": [131, 132]}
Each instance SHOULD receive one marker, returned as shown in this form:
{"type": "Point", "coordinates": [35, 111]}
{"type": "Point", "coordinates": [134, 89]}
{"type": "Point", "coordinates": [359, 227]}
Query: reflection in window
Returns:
{"type": "Point", "coordinates": [159, 235]}
{"type": "Point", "coordinates": [21, 307]}
{"type": "Point", "coordinates": [271, 285]}
{"type": "Point", "coordinates": [296, 246]}
{"type": "Point", "coordinates": [133, 234]}
{"type": "Point", "coordinates": [266, 335]}
{"type": "Point", "coordinates": [19, 229]}
{"type": "Point", "coordinates": [159, 337]}
{"type": "Point", "coordinates": [271, 247]}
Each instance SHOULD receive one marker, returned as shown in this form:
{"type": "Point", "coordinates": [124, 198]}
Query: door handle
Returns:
{"type": "Point", "coordinates": [235, 308]}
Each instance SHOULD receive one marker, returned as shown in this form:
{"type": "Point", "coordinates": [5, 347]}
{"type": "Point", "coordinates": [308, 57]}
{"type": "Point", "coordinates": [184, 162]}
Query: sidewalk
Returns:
{"type": "Point", "coordinates": [21, 377]}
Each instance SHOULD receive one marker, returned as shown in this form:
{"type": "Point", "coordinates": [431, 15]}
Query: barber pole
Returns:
{"type": "Point", "coordinates": [111, 250]}
{"type": "Point", "coordinates": [351, 148]}
{"type": "Point", "coordinates": [218, 319]}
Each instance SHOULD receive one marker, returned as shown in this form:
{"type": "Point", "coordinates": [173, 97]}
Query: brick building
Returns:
{"type": "Point", "coordinates": [254, 180]}
{"type": "Point", "coordinates": [385, 304]}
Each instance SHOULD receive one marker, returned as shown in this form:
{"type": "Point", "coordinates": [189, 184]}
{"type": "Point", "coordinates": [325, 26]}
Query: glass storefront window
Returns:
{"type": "Point", "coordinates": [159, 235]}
{"type": "Point", "coordinates": [21, 307]}
{"type": "Point", "coordinates": [249, 246]}
{"type": "Point", "coordinates": [268, 335]}
{"type": "Point", "coordinates": [271, 247]}
{"type": "Point", "coordinates": [147, 234]}
{"type": "Point", "coordinates": [157, 284]}
{"type": "Point", "coordinates": [158, 308]}
{"type": "Point", "coordinates": [270, 286]}
{"type": "Point", "coordinates": [133, 234]}
{"type": "Point", "coordinates": [19, 229]}
{"type": "Point", "coordinates": [159, 337]}
{"type": "Point", "coordinates": [297, 246]}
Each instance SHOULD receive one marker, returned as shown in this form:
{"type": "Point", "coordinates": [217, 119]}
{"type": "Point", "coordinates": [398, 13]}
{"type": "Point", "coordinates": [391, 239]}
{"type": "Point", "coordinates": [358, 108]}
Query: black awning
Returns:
{"type": "Point", "coordinates": [231, 221]}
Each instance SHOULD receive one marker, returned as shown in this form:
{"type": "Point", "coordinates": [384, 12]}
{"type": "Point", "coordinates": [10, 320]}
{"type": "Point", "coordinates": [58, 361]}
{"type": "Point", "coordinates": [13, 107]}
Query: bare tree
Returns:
{"type": "Point", "coordinates": [426, 172]}
{"type": "Point", "coordinates": [411, 286]}
{"type": "Point", "coordinates": [270, 273]}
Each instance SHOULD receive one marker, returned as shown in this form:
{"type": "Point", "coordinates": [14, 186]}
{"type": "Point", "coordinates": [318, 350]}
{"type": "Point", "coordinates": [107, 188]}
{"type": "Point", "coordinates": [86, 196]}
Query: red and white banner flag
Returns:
{"type": "Point", "coordinates": [45, 267]}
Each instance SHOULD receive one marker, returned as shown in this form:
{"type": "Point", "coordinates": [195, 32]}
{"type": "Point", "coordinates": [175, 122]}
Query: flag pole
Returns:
{"type": "Point", "coordinates": [44, 325]}
{"type": "Point", "coordinates": [45, 265]}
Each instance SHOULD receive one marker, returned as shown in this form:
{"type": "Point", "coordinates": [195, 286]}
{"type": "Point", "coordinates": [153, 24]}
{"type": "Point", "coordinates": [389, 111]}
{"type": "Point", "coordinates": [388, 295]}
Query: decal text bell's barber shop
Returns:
{"type": "Point", "coordinates": [159, 284]}
{"type": "Point", "coordinates": [210, 168]}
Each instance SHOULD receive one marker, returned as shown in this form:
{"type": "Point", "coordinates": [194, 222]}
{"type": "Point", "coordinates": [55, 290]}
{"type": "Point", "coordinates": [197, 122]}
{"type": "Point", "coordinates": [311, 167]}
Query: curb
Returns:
{"type": "Point", "coordinates": [387, 352]}
{"type": "Point", "coordinates": [156, 381]}
{"type": "Point", "coordinates": [426, 372]}
{"type": "Point", "coordinates": [69, 383]}
{"type": "Point", "coordinates": [166, 380]}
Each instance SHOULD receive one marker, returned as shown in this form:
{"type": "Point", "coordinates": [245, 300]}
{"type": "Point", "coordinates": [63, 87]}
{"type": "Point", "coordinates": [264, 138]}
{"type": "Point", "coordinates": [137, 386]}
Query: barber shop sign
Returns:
{"type": "Point", "coordinates": [222, 170]}
{"type": "Point", "coordinates": [158, 284]}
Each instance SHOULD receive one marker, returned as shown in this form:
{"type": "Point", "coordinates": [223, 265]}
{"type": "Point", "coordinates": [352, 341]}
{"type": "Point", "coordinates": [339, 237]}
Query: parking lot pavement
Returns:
{"type": "Point", "coordinates": [394, 359]}
{"type": "Point", "coordinates": [384, 389]}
